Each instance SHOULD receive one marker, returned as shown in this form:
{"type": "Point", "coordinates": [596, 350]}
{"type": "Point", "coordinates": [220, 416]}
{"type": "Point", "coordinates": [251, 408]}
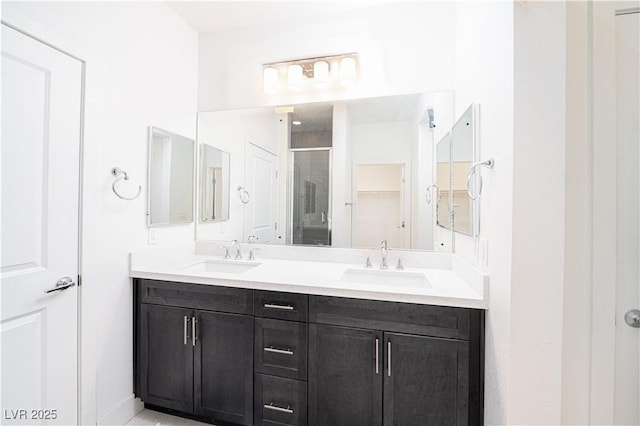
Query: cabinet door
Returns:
{"type": "Point", "coordinates": [345, 376]}
{"type": "Point", "coordinates": [165, 357]}
{"type": "Point", "coordinates": [426, 381]}
{"type": "Point", "coordinates": [223, 367]}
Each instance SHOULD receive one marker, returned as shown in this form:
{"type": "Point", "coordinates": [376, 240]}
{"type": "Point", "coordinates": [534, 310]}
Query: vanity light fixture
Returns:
{"type": "Point", "coordinates": [320, 73]}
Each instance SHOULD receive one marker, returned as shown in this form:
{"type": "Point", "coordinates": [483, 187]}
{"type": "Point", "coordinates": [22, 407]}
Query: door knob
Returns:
{"type": "Point", "coordinates": [62, 284]}
{"type": "Point", "coordinates": [632, 318]}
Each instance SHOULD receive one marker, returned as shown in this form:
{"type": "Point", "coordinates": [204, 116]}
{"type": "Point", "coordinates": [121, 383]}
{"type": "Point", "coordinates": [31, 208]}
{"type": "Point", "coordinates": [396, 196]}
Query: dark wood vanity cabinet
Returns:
{"type": "Point", "coordinates": [274, 358]}
{"type": "Point", "coordinates": [195, 361]}
{"type": "Point", "coordinates": [388, 363]}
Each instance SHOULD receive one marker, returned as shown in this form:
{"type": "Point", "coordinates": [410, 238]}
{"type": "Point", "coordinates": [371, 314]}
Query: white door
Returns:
{"type": "Point", "coordinates": [261, 174]}
{"type": "Point", "coordinates": [41, 122]}
{"type": "Point", "coordinates": [627, 350]}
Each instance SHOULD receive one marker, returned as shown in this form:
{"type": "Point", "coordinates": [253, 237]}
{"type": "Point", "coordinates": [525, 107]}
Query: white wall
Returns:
{"type": "Point", "coordinates": [403, 48]}
{"type": "Point", "coordinates": [132, 52]}
{"type": "Point", "coordinates": [538, 213]}
{"type": "Point", "coordinates": [484, 55]}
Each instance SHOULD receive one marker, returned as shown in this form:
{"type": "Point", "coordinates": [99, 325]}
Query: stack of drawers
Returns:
{"type": "Point", "coordinates": [280, 358]}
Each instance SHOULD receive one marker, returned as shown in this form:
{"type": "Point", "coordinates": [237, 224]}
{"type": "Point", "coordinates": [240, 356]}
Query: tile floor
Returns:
{"type": "Point", "coordinates": [154, 418]}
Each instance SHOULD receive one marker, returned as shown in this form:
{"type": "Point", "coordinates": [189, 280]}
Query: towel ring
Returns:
{"type": "Point", "coordinates": [120, 174]}
{"type": "Point", "coordinates": [433, 185]}
{"type": "Point", "coordinates": [244, 195]}
{"type": "Point", "coordinates": [486, 163]}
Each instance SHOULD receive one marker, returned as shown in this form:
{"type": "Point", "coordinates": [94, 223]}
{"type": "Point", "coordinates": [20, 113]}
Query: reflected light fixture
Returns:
{"type": "Point", "coordinates": [311, 73]}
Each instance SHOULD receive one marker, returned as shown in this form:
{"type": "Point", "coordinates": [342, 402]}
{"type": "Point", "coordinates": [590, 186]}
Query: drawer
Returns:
{"type": "Point", "coordinates": [280, 305]}
{"type": "Point", "coordinates": [279, 401]}
{"type": "Point", "coordinates": [196, 296]}
{"type": "Point", "coordinates": [280, 348]}
{"type": "Point", "coordinates": [427, 320]}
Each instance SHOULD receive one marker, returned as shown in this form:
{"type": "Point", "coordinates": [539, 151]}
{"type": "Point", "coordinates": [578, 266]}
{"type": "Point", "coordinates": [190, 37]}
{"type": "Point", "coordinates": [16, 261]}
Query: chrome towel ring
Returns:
{"type": "Point", "coordinates": [486, 163]}
{"type": "Point", "coordinates": [429, 198]}
{"type": "Point", "coordinates": [244, 195]}
{"type": "Point", "coordinates": [120, 174]}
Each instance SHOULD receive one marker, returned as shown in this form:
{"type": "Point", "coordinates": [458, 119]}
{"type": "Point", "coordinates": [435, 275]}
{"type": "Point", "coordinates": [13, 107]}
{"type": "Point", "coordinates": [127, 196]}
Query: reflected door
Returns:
{"type": "Point", "coordinates": [41, 113]}
{"type": "Point", "coordinates": [261, 176]}
{"type": "Point", "coordinates": [310, 196]}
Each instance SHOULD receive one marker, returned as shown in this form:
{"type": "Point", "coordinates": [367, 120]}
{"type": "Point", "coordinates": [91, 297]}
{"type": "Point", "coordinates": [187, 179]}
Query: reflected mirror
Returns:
{"type": "Point", "coordinates": [443, 180]}
{"type": "Point", "coordinates": [171, 177]}
{"type": "Point", "coordinates": [213, 184]}
{"type": "Point", "coordinates": [353, 172]}
{"type": "Point", "coordinates": [463, 150]}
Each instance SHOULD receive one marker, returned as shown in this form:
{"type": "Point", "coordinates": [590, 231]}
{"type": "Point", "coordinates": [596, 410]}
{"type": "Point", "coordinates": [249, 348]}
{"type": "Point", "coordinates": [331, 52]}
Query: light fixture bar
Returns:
{"type": "Point", "coordinates": [318, 69]}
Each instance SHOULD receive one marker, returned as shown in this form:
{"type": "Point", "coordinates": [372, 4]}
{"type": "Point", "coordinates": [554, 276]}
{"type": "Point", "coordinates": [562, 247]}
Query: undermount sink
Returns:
{"type": "Point", "coordinates": [222, 266]}
{"type": "Point", "coordinates": [385, 277]}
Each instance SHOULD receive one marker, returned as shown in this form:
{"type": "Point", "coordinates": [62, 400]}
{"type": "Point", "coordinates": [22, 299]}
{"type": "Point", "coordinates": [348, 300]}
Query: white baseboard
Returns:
{"type": "Point", "coordinates": [122, 413]}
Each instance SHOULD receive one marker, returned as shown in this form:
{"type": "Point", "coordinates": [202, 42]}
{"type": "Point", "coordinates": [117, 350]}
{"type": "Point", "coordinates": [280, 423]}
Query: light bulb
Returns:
{"type": "Point", "coordinates": [270, 80]}
{"type": "Point", "coordinates": [294, 78]}
{"type": "Point", "coordinates": [347, 71]}
{"type": "Point", "coordinates": [321, 74]}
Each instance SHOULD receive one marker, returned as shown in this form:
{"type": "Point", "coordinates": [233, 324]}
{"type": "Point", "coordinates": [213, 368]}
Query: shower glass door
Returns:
{"type": "Point", "coordinates": [311, 196]}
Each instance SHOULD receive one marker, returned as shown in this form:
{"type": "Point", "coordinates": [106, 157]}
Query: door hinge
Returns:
{"type": "Point", "coordinates": [275, 225]}
{"type": "Point", "coordinates": [276, 174]}
{"type": "Point", "coordinates": [79, 280]}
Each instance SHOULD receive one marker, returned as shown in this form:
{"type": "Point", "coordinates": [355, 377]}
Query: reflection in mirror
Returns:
{"type": "Point", "coordinates": [357, 171]}
{"type": "Point", "coordinates": [171, 176]}
{"type": "Point", "coordinates": [463, 149]}
{"type": "Point", "coordinates": [443, 182]}
{"type": "Point", "coordinates": [214, 184]}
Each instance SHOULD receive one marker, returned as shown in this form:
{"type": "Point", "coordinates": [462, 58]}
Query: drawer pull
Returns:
{"type": "Point", "coordinates": [270, 406]}
{"type": "Point", "coordinates": [281, 307]}
{"type": "Point", "coordinates": [279, 351]}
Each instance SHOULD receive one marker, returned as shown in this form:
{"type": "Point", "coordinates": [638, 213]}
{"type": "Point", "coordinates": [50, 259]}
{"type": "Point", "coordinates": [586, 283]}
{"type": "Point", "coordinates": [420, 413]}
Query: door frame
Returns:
{"type": "Point", "coordinates": [603, 201]}
{"type": "Point", "coordinates": [82, 344]}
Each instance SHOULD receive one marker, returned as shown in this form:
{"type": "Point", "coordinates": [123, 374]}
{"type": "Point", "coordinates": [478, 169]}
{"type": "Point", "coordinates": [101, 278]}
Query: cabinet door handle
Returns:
{"type": "Point", "coordinates": [186, 329]}
{"type": "Point", "coordinates": [193, 331]}
{"type": "Point", "coordinates": [281, 307]}
{"type": "Point", "coordinates": [377, 351]}
{"type": "Point", "coordinates": [279, 351]}
{"type": "Point", "coordinates": [270, 406]}
{"type": "Point", "coordinates": [389, 358]}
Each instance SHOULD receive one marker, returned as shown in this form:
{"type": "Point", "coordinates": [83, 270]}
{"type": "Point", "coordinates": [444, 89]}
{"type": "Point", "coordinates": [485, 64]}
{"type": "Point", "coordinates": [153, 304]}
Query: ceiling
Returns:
{"type": "Point", "coordinates": [212, 16]}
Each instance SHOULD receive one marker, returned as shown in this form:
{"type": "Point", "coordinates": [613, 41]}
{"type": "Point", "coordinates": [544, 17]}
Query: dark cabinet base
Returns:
{"type": "Point", "coordinates": [257, 357]}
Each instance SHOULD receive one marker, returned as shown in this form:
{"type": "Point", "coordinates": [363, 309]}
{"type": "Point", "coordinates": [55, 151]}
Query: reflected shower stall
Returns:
{"type": "Point", "coordinates": [310, 156]}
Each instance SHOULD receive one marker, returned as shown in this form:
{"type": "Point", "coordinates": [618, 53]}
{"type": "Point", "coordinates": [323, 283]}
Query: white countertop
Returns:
{"type": "Point", "coordinates": [460, 285]}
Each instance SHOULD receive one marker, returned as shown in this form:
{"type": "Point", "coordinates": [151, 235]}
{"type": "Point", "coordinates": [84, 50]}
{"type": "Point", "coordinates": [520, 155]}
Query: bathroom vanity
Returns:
{"type": "Point", "coordinates": [229, 347]}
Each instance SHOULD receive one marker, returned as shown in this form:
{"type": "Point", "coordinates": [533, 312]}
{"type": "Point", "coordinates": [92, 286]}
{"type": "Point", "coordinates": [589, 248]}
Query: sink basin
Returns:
{"type": "Point", "coordinates": [385, 277]}
{"type": "Point", "coordinates": [222, 266]}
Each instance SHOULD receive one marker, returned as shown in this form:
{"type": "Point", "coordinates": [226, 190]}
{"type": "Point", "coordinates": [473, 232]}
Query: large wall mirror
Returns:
{"type": "Point", "coordinates": [336, 174]}
{"type": "Point", "coordinates": [214, 184]}
{"type": "Point", "coordinates": [171, 177]}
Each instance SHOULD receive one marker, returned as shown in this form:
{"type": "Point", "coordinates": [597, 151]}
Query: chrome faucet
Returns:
{"type": "Point", "coordinates": [231, 245]}
{"type": "Point", "coordinates": [383, 251]}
